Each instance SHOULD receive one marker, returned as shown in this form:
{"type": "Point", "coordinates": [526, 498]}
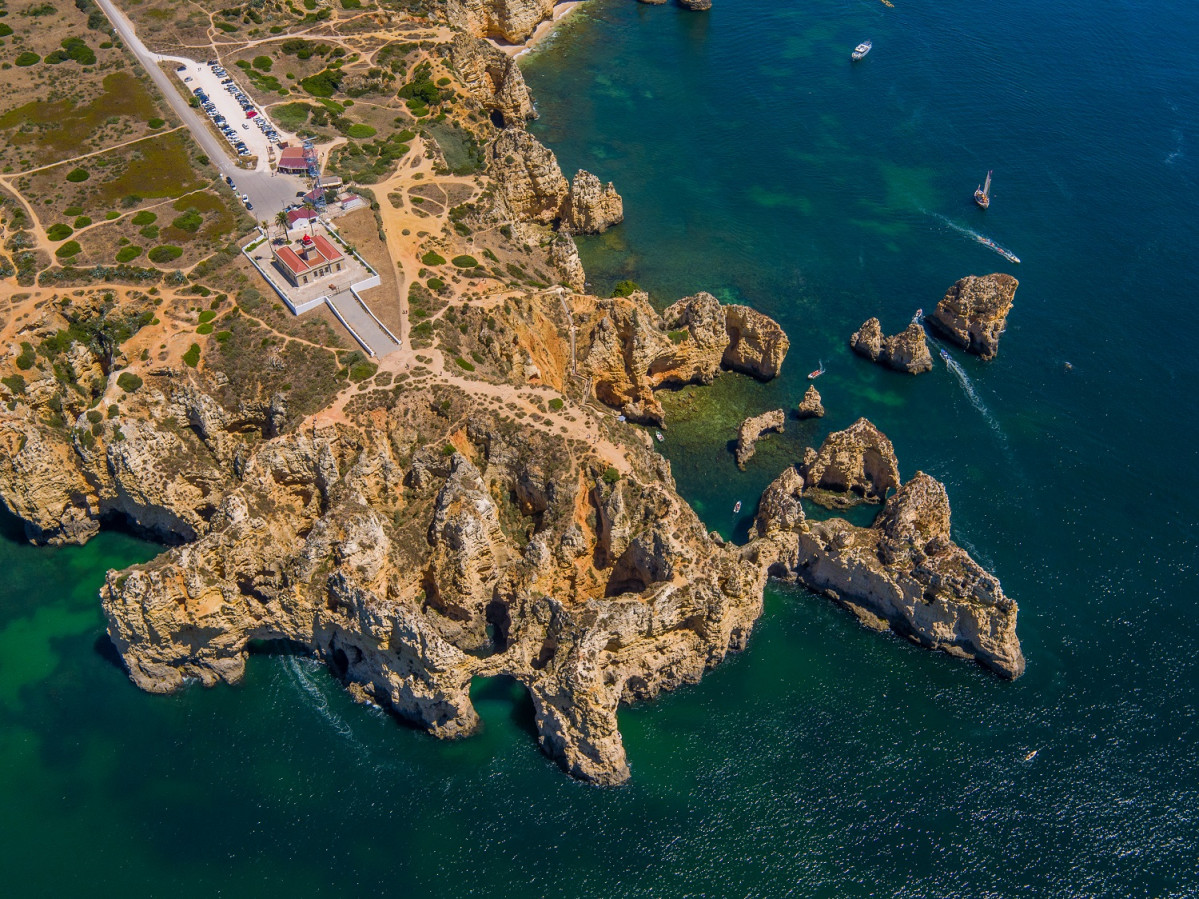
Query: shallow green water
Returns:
{"type": "Point", "coordinates": [758, 164]}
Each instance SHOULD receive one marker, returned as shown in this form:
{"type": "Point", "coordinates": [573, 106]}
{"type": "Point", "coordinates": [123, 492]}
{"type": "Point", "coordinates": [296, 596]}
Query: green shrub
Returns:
{"type": "Point", "coordinates": [463, 364]}
{"type": "Point", "coordinates": [360, 371]}
{"type": "Point", "coordinates": [323, 84]}
{"type": "Point", "coordinates": [27, 357]}
{"type": "Point", "coordinates": [5, 31]}
{"type": "Point", "coordinates": [625, 288]}
{"type": "Point", "coordinates": [113, 411]}
{"type": "Point", "coordinates": [435, 284]}
{"type": "Point", "coordinates": [351, 4]}
{"type": "Point", "coordinates": [27, 58]}
{"type": "Point", "coordinates": [677, 336]}
{"type": "Point", "coordinates": [191, 221]}
{"type": "Point", "coordinates": [59, 232]}
{"type": "Point", "coordinates": [145, 217]}
{"type": "Point", "coordinates": [165, 253]}
{"type": "Point", "coordinates": [263, 63]}
{"type": "Point", "coordinates": [156, 123]}
{"type": "Point", "coordinates": [465, 261]}
{"type": "Point", "coordinates": [359, 131]}
{"type": "Point", "coordinates": [73, 210]}
{"type": "Point", "coordinates": [205, 328]}
{"type": "Point", "coordinates": [432, 258]}
{"type": "Point", "coordinates": [95, 416]}
{"type": "Point", "coordinates": [82, 221]}
{"type": "Point", "coordinates": [556, 404]}
{"type": "Point", "coordinates": [15, 383]}
{"type": "Point", "coordinates": [77, 175]}
{"type": "Point", "coordinates": [111, 215]}
{"type": "Point", "coordinates": [611, 475]}
{"type": "Point", "coordinates": [206, 316]}
{"type": "Point", "coordinates": [128, 381]}
{"type": "Point", "coordinates": [129, 253]}
{"type": "Point", "coordinates": [192, 357]}
{"type": "Point", "coordinates": [68, 249]}
{"type": "Point", "coordinates": [222, 336]}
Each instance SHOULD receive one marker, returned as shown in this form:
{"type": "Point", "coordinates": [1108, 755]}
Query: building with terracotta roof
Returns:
{"type": "Point", "coordinates": [292, 161]}
{"type": "Point", "coordinates": [303, 214]}
{"type": "Point", "coordinates": [310, 259]}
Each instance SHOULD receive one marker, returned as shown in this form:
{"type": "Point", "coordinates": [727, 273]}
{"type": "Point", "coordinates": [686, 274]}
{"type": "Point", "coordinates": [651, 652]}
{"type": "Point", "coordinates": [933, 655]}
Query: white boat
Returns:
{"type": "Point", "coordinates": [658, 434]}
{"type": "Point", "coordinates": [860, 51]}
{"type": "Point", "coordinates": [813, 375]}
{"type": "Point", "coordinates": [737, 507]}
{"type": "Point", "coordinates": [918, 318]}
{"type": "Point", "coordinates": [982, 196]}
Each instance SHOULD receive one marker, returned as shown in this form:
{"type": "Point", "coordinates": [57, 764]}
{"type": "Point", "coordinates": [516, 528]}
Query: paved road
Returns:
{"type": "Point", "coordinates": [378, 340]}
{"type": "Point", "coordinates": [268, 192]}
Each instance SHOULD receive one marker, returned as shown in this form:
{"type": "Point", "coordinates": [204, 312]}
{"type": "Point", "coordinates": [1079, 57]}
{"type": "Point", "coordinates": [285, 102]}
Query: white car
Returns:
{"type": "Point", "coordinates": [245, 198]}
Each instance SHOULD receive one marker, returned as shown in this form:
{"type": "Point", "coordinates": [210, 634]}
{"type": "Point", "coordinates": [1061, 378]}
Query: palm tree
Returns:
{"type": "Point", "coordinates": [281, 221]}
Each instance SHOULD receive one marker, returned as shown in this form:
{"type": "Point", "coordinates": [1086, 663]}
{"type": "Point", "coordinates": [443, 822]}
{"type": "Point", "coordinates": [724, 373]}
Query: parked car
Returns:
{"type": "Point", "coordinates": [229, 181]}
{"type": "Point", "coordinates": [249, 205]}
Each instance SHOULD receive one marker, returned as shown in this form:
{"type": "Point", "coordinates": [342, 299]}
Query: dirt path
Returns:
{"type": "Point", "coordinates": [136, 140]}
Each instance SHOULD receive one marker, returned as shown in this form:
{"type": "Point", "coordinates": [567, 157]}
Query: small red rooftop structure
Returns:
{"type": "Point", "coordinates": [311, 258]}
{"type": "Point", "coordinates": [303, 214]}
{"type": "Point", "coordinates": [292, 161]}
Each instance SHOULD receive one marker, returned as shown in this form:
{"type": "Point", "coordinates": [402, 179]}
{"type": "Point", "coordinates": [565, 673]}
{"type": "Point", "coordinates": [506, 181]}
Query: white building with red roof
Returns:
{"type": "Point", "coordinates": [308, 260]}
{"type": "Point", "coordinates": [292, 161]}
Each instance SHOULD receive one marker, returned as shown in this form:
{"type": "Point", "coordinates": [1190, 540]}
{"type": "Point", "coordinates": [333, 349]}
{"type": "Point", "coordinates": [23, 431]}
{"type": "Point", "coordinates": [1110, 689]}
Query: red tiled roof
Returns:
{"type": "Point", "coordinates": [289, 258]}
{"type": "Point", "coordinates": [297, 214]}
{"type": "Point", "coordinates": [326, 249]}
{"type": "Point", "coordinates": [292, 154]}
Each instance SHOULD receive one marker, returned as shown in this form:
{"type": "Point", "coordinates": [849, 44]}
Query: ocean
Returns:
{"type": "Point", "coordinates": [757, 163]}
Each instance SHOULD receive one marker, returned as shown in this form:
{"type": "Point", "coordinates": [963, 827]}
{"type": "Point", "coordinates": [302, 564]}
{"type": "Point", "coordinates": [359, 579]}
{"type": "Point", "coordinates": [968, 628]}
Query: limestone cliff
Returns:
{"type": "Point", "coordinates": [754, 429]}
{"type": "Point", "coordinates": [493, 79]}
{"type": "Point", "coordinates": [592, 207]}
{"type": "Point", "coordinates": [628, 350]}
{"type": "Point", "coordinates": [410, 572]}
{"type": "Point", "coordinates": [906, 351]}
{"type": "Point", "coordinates": [852, 466]}
{"type": "Point", "coordinates": [904, 572]}
{"type": "Point", "coordinates": [973, 313]}
{"type": "Point", "coordinates": [509, 20]}
{"type": "Point", "coordinates": [532, 188]}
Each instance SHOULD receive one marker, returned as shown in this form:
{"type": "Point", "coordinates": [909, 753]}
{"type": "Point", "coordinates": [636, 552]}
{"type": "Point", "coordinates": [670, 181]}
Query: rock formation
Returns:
{"type": "Point", "coordinates": [852, 466]}
{"type": "Point", "coordinates": [695, 4]}
{"type": "Point", "coordinates": [592, 206]}
{"type": "Point", "coordinates": [531, 185]}
{"type": "Point", "coordinates": [565, 256]}
{"type": "Point", "coordinates": [810, 406]}
{"type": "Point", "coordinates": [410, 572]}
{"type": "Point", "coordinates": [906, 351]}
{"type": "Point", "coordinates": [973, 312]}
{"type": "Point", "coordinates": [493, 78]}
{"type": "Point", "coordinates": [508, 20]}
{"type": "Point", "coordinates": [532, 188]}
{"type": "Point", "coordinates": [753, 429]}
{"type": "Point", "coordinates": [628, 350]}
{"type": "Point", "coordinates": [757, 345]}
{"type": "Point", "coordinates": [905, 572]}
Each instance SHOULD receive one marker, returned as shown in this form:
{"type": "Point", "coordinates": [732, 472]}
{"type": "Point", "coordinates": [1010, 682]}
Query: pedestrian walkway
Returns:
{"type": "Point", "coordinates": [374, 339]}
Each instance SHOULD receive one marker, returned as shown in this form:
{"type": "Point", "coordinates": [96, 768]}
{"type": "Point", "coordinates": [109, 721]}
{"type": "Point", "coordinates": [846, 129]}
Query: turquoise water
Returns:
{"type": "Point", "coordinates": [756, 163]}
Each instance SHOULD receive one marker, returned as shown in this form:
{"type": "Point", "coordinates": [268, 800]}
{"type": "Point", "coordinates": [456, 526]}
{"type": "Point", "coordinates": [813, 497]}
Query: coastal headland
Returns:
{"type": "Point", "coordinates": [478, 502]}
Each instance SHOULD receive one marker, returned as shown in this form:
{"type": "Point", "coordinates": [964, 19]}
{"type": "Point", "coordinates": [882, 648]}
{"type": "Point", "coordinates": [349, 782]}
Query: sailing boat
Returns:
{"type": "Point", "coordinates": [982, 196]}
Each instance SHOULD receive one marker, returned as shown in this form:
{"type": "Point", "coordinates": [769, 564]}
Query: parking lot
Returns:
{"type": "Point", "coordinates": [246, 129]}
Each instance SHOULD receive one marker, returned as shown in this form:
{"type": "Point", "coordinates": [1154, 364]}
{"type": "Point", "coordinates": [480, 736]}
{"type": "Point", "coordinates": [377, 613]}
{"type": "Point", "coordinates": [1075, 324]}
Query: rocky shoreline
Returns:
{"type": "Point", "coordinates": [431, 530]}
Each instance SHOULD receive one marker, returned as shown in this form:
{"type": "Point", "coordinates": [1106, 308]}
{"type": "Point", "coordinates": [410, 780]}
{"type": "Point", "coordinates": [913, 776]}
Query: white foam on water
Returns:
{"type": "Point", "coordinates": [320, 702]}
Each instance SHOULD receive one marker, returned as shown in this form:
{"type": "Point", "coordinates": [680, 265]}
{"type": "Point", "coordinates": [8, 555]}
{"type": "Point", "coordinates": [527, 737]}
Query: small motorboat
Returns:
{"type": "Point", "coordinates": [860, 51]}
{"type": "Point", "coordinates": [658, 435]}
{"type": "Point", "coordinates": [813, 375]}
{"type": "Point", "coordinates": [982, 196]}
{"type": "Point", "coordinates": [737, 507]}
{"type": "Point", "coordinates": [918, 318]}
{"type": "Point", "coordinates": [945, 355]}
{"type": "Point", "coordinates": [1032, 755]}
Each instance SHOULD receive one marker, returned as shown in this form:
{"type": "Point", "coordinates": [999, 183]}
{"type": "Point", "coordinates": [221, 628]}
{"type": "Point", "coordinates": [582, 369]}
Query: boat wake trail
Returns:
{"type": "Point", "coordinates": [975, 236]}
{"type": "Point", "coordinates": [302, 678]}
{"type": "Point", "coordinates": [976, 401]}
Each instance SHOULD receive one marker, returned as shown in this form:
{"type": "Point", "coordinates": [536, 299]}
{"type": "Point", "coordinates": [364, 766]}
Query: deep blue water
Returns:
{"type": "Point", "coordinates": [758, 164]}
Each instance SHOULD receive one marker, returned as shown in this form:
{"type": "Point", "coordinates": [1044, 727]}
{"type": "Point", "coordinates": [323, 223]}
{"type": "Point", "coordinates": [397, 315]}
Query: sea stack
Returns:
{"type": "Point", "coordinates": [753, 429]}
{"type": "Point", "coordinates": [973, 312]}
{"type": "Point", "coordinates": [907, 351]}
